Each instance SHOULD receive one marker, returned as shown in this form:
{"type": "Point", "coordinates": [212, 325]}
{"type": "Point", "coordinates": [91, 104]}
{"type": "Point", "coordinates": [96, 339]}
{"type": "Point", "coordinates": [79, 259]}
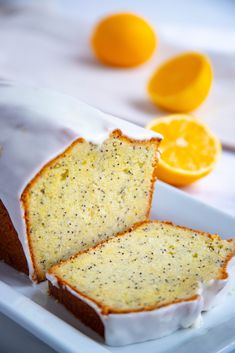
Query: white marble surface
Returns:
{"type": "Point", "coordinates": [48, 47]}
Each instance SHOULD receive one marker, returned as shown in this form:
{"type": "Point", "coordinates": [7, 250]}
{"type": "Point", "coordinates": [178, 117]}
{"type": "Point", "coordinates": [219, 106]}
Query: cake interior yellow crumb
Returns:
{"type": "Point", "coordinates": [88, 195]}
{"type": "Point", "coordinates": [155, 264]}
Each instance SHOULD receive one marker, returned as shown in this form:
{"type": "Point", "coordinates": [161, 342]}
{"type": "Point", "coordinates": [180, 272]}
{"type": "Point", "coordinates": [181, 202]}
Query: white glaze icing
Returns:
{"type": "Point", "coordinates": [35, 126]}
{"type": "Point", "coordinates": [123, 329]}
{"type": "Point", "coordinates": [209, 292]}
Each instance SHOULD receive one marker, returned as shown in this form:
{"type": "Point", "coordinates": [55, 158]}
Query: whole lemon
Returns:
{"type": "Point", "coordinates": [123, 40]}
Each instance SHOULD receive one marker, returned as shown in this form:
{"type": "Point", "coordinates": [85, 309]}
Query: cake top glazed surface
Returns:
{"type": "Point", "coordinates": [35, 127]}
{"type": "Point", "coordinates": [39, 124]}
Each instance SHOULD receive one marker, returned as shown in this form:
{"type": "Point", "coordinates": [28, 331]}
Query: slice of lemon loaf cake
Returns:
{"type": "Point", "coordinates": [145, 283]}
{"type": "Point", "coordinates": [69, 178]}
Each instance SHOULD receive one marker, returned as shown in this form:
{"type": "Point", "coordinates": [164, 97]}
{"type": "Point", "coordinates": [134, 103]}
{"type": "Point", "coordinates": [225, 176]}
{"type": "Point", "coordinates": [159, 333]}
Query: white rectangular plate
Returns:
{"type": "Point", "coordinates": [31, 307]}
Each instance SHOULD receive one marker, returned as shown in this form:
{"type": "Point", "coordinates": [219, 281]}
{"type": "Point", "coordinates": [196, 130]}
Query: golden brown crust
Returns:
{"type": "Point", "coordinates": [78, 307]}
{"type": "Point", "coordinates": [107, 310]}
{"type": "Point", "coordinates": [37, 276]}
{"type": "Point", "coordinates": [11, 250]}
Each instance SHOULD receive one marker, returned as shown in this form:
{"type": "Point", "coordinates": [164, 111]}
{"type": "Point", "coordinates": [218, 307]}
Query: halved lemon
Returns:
{"type": "Point", "coordinates": [182, 83]}
{"type": "Point", "coordinates": [189, 149]}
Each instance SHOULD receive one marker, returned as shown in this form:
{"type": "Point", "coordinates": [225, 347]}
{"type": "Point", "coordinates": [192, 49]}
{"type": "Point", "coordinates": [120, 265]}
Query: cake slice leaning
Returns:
{"type": "Point", "coordinates": [145, 283]}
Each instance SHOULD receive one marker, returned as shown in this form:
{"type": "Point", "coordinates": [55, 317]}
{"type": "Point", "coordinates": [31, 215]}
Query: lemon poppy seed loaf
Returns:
{"type": "Point", "coordinates": [69, 181]}
{"type": "Point", "coordinates": [145, 283]}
